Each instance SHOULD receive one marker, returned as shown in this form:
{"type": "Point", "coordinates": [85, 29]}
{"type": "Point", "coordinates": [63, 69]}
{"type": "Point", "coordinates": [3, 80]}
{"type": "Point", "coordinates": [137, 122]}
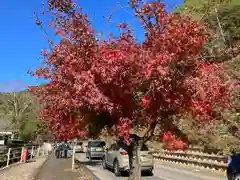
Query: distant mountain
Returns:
{"type": "Point", "coordinates": [13, 86]}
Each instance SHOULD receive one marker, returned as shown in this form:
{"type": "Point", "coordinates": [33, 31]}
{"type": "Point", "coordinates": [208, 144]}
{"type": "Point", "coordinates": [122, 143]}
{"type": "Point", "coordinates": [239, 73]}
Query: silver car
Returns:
{"type": "Point", "coordinates": [95, 149]}
{"type": "Point", "coordinates": [117, 159]}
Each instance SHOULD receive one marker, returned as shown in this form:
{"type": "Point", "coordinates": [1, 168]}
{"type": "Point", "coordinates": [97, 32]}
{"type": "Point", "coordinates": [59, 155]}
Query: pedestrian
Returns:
{"type": "Point", "coordinates": [58, 150]}
{"type": "Point", "coordinates": [61, 149]}
{"type": "Point", "coordinates": [49, 147]}
{"type": "Point", "coordinates": [44, 146]}
{"type": "Point", "coordinates": [65, 149]}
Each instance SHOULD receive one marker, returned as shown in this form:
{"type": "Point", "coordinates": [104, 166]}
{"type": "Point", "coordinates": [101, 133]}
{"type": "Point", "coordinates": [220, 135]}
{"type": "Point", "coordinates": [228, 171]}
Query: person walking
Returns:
{"type": "Point", "coordinates": [49, 147]}
{"type": "Point", "coordinates": [65, 149]}
{"type": "Point", "coordinates": [58, 150]}
{"type": "Point", "coordinates": [62, 149]}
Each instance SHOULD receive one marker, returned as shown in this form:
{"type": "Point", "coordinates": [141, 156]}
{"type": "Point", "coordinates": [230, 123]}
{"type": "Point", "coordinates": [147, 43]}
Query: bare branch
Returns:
{"type": "Point", "coordinates": [150, 131]}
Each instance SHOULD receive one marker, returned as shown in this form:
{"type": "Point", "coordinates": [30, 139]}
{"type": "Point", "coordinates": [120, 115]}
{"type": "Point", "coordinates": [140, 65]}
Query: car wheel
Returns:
{"type": "Point", "coordinates": [236, 177]}
{"type": "Point", "coordinates": [116, 168]}
{"type": "Point", "coordinates": [104, 165]}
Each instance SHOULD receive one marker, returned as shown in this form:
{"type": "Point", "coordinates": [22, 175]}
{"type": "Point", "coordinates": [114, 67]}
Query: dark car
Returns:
{"type": "Point", "coordinates": [233, 169]}
{"type": "Point", "coordinates": [95, 149]}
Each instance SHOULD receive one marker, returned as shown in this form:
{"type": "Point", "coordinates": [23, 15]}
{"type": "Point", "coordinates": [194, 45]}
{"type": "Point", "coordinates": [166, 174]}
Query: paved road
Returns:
{"type": "Point", "coordinates": [178, 172]}
{"type": "Point", "coordinates": [162, 171]}
{"type": "Point", "coordinates": [96, 167]}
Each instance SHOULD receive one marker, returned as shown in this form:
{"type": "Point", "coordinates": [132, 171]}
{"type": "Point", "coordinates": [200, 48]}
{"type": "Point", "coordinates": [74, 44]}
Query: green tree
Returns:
{"type": "Point", "coordinates": [229, 18]}
{"type": "Point", "coordinates": [222, 16]}
{"type": "Point", "coordinates": [21, 110]}
{"type": "Point", "coordinates": [201, 8]}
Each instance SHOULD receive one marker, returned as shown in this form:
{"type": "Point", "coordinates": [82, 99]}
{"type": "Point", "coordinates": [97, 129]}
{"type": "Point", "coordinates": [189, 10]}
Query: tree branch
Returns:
{"type": "Point", "coordinates": [220, 26]}
{"type": "Point", "coordinates": [169, 125]}
{"type": "Point", "coordinates": [150, 131]}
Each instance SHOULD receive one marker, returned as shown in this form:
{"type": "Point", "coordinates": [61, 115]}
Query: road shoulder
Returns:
{"type": "Point", "coordinates": [60, 169]}
{"type": "Point", "coordinates": [25, 171]}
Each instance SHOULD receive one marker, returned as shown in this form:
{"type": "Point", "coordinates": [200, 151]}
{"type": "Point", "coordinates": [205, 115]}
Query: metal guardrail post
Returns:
{"type": "Point", "coordinates": [32, 152]}
{"type": "Point", "coordinates": [8, 156]}
{"type": "Point", "coordinates": [38, 151]}
{"type": "Point", "coordinates": [73, 157]}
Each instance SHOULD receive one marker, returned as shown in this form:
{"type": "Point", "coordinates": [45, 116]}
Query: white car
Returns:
{"type": "Point", "coordinates": [117, 159]}
{"type": "Point", "coordinates": [78, 148]}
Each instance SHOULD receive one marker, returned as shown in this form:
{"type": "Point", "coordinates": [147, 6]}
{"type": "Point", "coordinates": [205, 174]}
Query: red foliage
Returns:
{"type": "Point", "coordinates": [145, 101]}
{"type": "Point", "coordinates": [124, 127]}
{"type": "Point", "coordinates": [44, 52]}
{"type": "Point", "coordinates": [172, 142]}
{"type": "Point", "coordinates": [60, 32]}
{"type": "Point", "coordinates": [164, 72]}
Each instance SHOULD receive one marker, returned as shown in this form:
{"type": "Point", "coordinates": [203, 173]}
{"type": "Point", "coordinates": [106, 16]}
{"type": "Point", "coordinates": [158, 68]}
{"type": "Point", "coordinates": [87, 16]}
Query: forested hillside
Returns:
{"type": "Point", "coordinates": [19, 112]}
{"type": "Point", "coordinates": [223, 19]}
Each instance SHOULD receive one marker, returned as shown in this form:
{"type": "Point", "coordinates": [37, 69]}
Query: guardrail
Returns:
{"type": "Point", "coordinates": [9, 156]}
{"type": "Point", "coordinates": [193, 158]}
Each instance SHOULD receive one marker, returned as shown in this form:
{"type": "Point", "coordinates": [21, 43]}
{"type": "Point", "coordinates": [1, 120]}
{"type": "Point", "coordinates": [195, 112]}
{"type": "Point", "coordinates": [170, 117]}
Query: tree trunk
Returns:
{"type": "Point", "coordinates": [134, 161]}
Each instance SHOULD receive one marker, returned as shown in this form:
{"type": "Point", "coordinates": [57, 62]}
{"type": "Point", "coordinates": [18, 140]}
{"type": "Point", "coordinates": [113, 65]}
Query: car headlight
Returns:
{"type": "Point", "coordinates": [229, 160]}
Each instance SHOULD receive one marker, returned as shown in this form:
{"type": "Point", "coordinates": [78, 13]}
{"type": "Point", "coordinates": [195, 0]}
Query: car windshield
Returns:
{"type": "Point", "coordinates": [97, 144]}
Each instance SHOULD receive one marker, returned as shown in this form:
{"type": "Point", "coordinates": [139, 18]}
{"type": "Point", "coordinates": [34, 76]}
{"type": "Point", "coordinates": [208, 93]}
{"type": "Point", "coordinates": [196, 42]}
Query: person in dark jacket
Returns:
{"type": "Point", "coordinates": [58, 150]}
{"type": "Point", "coordinates": [65, 149]}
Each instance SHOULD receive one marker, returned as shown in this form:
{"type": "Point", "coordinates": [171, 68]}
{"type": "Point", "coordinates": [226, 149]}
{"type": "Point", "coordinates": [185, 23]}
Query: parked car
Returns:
{"type": "Point", "coordinates": [78, 147]}
{"type": "Point", "coordinates": [95, 149]}
{"type": "Point", "coordinates": [233, 169]}
{"type": "Point", "coordinates": [117, 159]}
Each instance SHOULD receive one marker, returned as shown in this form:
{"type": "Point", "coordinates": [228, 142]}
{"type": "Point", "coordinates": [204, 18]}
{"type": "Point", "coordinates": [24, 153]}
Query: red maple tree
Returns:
{"type": "Point", "coordinates": [138, 84]}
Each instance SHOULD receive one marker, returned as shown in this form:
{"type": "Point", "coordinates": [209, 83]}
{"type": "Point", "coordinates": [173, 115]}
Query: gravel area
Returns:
{"type": "Point", "coordinates": [60, 169]}
{"type": "Point", "coordinates": [26, 171]}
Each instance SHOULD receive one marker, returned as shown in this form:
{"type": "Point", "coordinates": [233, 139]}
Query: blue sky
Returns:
{"type": "Point", "coordinates": [21, 40]}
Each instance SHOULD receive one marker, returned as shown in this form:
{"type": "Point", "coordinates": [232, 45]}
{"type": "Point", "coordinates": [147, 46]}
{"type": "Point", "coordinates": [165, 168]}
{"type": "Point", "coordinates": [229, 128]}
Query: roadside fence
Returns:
{"type": "Point", "coordinates": [9, 156]}
{"type": "Point", "coordinates": [193, 158]}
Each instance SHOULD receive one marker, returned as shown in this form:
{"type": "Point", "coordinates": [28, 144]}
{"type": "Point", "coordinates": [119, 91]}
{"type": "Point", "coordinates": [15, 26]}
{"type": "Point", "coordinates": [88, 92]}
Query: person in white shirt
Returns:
{"type": "Point", "coordinates": [49, 147]}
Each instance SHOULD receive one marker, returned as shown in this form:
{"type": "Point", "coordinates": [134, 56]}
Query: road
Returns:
{"type": "Point", "coordinates": [162, 171]}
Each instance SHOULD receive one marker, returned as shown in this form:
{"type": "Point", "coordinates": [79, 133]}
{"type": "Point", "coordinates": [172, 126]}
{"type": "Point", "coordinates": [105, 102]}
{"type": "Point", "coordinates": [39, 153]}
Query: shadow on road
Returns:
{"type": "Point", "coordinates": [126, 174]}
{"type": "Point", "coordinates": [89, 163]}
{"type": "Point", "coordinates": [84, 161]}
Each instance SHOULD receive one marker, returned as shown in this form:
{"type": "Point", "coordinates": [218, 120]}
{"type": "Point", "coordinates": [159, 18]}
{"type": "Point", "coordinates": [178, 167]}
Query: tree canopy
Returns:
{"type": "Point", "coordinates": [137, 84]}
